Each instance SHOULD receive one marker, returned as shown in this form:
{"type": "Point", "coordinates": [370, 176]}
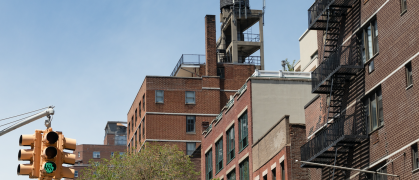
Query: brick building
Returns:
{"type": "Point", "coordinates": [251, 120]}
{"type": "Point", "coordinates": [114, 141]}
{"type": "Point", "coordinates": [365, 116]}
{"type": "Point", "coordinates": [171, 109]}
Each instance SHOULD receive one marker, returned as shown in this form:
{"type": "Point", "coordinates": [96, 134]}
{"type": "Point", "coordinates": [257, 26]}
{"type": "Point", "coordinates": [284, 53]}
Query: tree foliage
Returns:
{"type": "Point", "coordinates": [153, 162]}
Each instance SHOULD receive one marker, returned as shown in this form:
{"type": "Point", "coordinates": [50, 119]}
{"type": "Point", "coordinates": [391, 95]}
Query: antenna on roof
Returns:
{"type": "Point", "coordinates": [263, 14]}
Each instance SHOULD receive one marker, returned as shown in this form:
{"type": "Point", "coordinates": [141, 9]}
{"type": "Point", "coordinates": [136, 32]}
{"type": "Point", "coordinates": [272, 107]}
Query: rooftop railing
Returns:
{"type": "Point", "coordinates": [250, 37]}
{"type": "Point", "coordinates": [282, 74]}
{"type": "Point", "coordinates": [191, 59]}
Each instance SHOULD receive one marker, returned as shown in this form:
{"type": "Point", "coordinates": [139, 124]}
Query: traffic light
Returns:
{"type": "Point", "coordinates": [32, 155]}
{"type": "Point", "coordinates": [46, 155]}
{"type": "Point", "coordinates": [53, 155]}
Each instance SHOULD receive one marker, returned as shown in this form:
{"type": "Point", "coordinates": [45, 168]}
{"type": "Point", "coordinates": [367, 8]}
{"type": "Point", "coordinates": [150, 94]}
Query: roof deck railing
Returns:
{"type": "Point", "coordinates": [191, 59]}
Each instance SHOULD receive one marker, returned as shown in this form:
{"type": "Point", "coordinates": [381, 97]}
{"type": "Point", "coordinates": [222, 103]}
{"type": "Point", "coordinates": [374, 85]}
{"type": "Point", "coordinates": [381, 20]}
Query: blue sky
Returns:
{"type": "Point", "coordinates": [89, 58]}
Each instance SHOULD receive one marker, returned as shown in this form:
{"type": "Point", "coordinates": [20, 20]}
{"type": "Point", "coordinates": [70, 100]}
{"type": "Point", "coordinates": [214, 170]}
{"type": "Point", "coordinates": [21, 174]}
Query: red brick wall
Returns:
{"type": "Point", "coordinates": [275, 160]}
{"type": "Point", "coordinates": [210, 46]}
{"type": "Point", "coordinates": [397, 37]}
{"type": "Point", "coordinates": [109, 138]}
{"type": "Point", "coordinates": [290, 153]}
{"type": "Point", "coordinates": [173, 127]}
{"type": "Point", "coordinates": [220, 128]}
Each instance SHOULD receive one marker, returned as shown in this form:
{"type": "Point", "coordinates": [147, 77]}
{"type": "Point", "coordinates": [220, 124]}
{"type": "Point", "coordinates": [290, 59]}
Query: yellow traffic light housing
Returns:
{"type": "Point", "coordinates": [32, 155]}
{"type": "Point", "coordinates": [46, 155]}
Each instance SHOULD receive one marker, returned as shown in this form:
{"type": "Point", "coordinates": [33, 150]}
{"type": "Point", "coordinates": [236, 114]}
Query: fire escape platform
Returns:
{"type": "Point", "coordinates": [317, 13]}
{"type": "Point", "coordinates": [342, 143]}
{"type": "Point", "coordinates": [347, 71]}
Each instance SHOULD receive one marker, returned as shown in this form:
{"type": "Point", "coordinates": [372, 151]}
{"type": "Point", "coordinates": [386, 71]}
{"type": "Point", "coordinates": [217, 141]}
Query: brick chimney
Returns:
{"type": "Point", "coordinates": [210, 46]}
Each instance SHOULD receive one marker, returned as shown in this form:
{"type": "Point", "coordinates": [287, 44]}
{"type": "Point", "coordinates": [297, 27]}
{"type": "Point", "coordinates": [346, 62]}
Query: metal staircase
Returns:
{"type": "Point", "coordinates": [339, 64]}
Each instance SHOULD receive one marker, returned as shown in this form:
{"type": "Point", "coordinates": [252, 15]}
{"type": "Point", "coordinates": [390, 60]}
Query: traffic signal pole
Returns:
{"type": "Point", "coordinates": [46, 113]}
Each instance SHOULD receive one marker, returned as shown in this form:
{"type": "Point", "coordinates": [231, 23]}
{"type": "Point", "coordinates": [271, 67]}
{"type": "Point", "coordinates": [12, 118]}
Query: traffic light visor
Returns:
{"type": "Point", "coordinates": [24, 169]}
{"type": "Point", "coordinates": [26, 139]}
{"type": "Point", "coordinates": [50, 152]}
{"type": "Point", "coordinates": [51, 137]}
{"type": "Point", "coordinates": [25, 155]}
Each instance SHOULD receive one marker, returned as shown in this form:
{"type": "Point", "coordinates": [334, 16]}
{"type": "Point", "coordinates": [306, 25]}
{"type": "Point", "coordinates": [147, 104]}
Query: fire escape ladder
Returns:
{"type": "Point", "coordinates": [337, 91]}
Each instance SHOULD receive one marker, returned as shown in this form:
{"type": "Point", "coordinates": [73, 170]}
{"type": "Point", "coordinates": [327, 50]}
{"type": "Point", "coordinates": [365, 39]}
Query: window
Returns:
{"type": "Point", "coordinates": [220, 72]}
{"type": "Point", "coordinates": [371, 66]}
{"type": "Point", "coordinates": [96, 154]}
{"type": "Point", "coordinates": [159, 96]}
{"type": "Point", "coordinates": [315, 55]}
{"type": "Point", "coordinates": [76, 173]}
{"type": "Point", "coordinates": [282, 170]}
{"type": "Point", "coordinates": [132, 124]}
{"type": "Point", "coordinates": [144, 101]}
{"type": "Point", "coordinates": [139, 129]}
{"type": "Point", "coordinates": [415, 157]}
{"type": "Point", "coordinates": [190, 124]}
{"type": "Point", "coordinates": [208, 165]}
{"type": "Point", "coordinates": [129, 127]}
{"type": "Point", "coordinates": [230, 144]}
{"type": "Point", "coordinates": [139, 107]}
{"type": "Point", "coordinates": [144, 130]}
{"type": "Point", "coordinates": [78, 154]}
{"type": "Point", "coordinates": [374, 110]}
{"type": "Point", "coordinates": [244, 169]}
{"type": "Point", "coordinates": [403, 5]}
{"type": "Point", "coordinates": [409, 80]}
{"type": "Point", "coordinates": [190, 148]}
{"type": "Point", "coordinates": [190, 97]}
{"type": "Point", "coordinates": [135, 140]}
{"type": "Point", "coordinates": [369, 41]}
{"type": "Point", "coordinates": [378, 176]}
{"type": "Point", "coordinates": [265, 177]}
{"type": "Point", "coordinates": [135, 117]}
{"type": "Point", "coordinates": [219, 155]}
{"type": "Point", "coordinates": [231, 175]}
{"type": "Point", "coordinates": [121, 153]}
{"type": "Point", "coordinates": [111, 154]}
{"type": "Point", "coordinates": [243, 131]}
{"type": "Point", "coordinates": [274, 174]}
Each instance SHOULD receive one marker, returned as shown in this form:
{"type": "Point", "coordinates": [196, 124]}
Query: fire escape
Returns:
{"type": "Point", "coordinates": [339, 64]}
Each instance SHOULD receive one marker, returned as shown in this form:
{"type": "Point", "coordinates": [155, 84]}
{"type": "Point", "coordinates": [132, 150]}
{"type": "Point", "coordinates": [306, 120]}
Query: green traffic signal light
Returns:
{"type": "Point", "coordinates": [50, 167]}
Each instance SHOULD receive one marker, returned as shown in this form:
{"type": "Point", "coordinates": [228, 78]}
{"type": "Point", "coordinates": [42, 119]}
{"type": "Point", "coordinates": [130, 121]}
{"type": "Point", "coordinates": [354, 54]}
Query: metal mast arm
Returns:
{"type": "Point", "coordinates": [47, 112]}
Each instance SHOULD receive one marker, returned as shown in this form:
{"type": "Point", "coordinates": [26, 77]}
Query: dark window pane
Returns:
{"type": "Point", "coordinates": [190, 123]}
{"type": "Point", "coordinates": [190, 148]}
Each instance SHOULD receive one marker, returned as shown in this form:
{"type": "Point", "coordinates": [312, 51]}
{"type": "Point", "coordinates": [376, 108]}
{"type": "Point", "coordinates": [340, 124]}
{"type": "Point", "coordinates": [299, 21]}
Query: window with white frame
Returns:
{"type": "Point", "coordinates": [190, 97]}
{"type": "Point", "coordinates": [369, 40]}
{"type": "Point", "coordinates": [96, 154]}
{"type": "Point", "coordinates": [76, 173]}
{"type": "Point", "coordinates": [373, 104]}
{"type": "Point", "coordinates": [159, 96]}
